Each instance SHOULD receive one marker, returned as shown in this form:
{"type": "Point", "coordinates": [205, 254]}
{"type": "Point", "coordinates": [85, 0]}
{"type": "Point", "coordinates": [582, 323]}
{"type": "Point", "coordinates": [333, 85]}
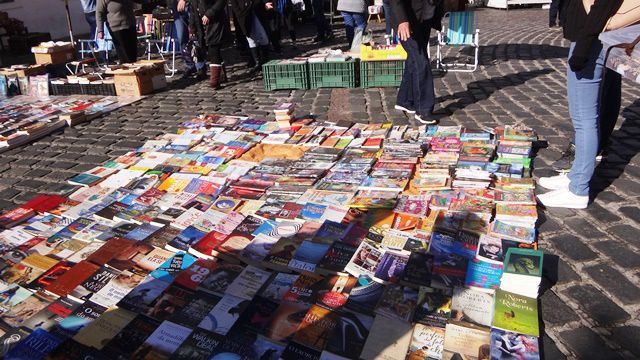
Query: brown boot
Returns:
{"type": "Point", "coordinates": [223, 74]}
{"type": "Point", "coordinates": [214, 75]}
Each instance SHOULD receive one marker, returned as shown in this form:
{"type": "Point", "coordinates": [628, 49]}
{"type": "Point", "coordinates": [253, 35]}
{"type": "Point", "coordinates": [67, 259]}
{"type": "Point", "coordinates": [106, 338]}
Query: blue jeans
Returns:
{"type": "Point", "coordinates": [387, 17]}
{"type": "Point", "coordinates": [181, 24]}
{"type": "Point", "coordinates": [322, 25]}
{"type": "Point", "coordinates": [586, 104]}
{"type": "Point", "coordinates": [353, 21]}
{"type": "Point", "coordinates": [416, 90]}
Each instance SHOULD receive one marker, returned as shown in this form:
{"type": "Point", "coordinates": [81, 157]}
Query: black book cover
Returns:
{"type": "Point", "coordinates": [418, 269]}
{"type": "Point", "coordinates": [131, 337]}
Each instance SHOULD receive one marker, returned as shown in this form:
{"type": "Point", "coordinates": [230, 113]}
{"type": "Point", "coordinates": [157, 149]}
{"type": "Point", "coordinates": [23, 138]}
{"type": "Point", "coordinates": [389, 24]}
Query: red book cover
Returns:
{"type": "Point", "coordinates": [195, 274]}
{"type": "Point", "coordinates": [16, 216]}
{"type": "Point", "coordinates": [44, 203]}
{"type": "Point", "coordinates": [209, 243]}
{"type": "Point", "coordinates": [110, 250]}
{"type": "Point", "coordinates": [72, 278]}
{"type": "Point", "coordinates": [50, 276]}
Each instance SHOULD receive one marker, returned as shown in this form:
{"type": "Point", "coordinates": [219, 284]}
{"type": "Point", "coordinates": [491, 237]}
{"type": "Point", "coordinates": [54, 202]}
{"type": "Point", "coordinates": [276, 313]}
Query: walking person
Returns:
{"type": "Point", "coordinates": [556, 13]}
{"type": "Point", "coordinates": [180, 10]}
{"type": "Point", "coordinates": [119, 18]}
{"type": "Point", "coordinates": [587, 101]}
{"type": "Point", "coordinates": [415, 19]}
{"type": "Point", "coordinates": [354, 13]}
{"type": "Point", "coordinates": [249, 14]}
{"type": "Point", "coordinates": [323, 28]}
{"type": "Point", "coordinates": [89, 9]}
{"type": "Point", "coordinates": [287, 15]}
{"type": "Point", "coordinates": [388, 17]}
{"type": "Point", "coordinates": [210, 25]}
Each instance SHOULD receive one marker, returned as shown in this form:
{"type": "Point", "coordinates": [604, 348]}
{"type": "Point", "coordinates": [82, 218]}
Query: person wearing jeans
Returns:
{"type": "Point", "coordinates": [388, 22]}
{"type": "Point", "coordinates": [250, 14]}
{"type": "Point", "coordinates": [89, 9]}
{"type": "Point", "coordinates": [180, 10]}
{"type": "Point", "coordinates": [587, 102]}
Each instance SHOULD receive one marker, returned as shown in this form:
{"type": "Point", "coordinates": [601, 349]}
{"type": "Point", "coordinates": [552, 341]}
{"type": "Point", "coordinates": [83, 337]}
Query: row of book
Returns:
{"type": "Point", "coordinates": [213, 241]}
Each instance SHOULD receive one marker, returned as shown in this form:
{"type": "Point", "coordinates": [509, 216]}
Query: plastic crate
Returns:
{"type": "Point", "coordinates": [368, 53]}
{"type": "Point", "coordinates": [277, 76]}
{"type": "Point", "coordinates": [338, 74]}
{"type": "Point", "coordinates": [381, 73]}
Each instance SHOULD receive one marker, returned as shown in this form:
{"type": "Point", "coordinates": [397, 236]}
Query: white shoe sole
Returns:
{"type": "Point", "coordinates": [425, 122]}
{"type": "Point", "coordinates": [402, 108]}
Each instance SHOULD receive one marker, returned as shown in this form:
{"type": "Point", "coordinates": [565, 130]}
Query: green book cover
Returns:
{"type": "Point", "coordinates": [523, 262]}
{"type": "Point", "coordinates": [516, 313]}
{"type": "Point", "coordinates": [526, 162]}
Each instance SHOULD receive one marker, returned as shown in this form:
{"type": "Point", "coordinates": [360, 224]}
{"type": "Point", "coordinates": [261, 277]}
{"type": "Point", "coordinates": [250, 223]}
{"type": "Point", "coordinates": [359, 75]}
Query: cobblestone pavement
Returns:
{"type": "Point", "coordinates": [591, 305]}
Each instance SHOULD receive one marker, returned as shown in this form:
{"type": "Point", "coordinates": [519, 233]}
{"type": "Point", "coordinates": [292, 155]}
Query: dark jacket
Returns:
{"type": "Point", "coordinates": [217, 32]}
{"type": "Point", "coordinates": [418, 11]}
{"type": "Point", "coordinates": [583, 29]}
{"type": "Point", "coordinates": [244, 10]}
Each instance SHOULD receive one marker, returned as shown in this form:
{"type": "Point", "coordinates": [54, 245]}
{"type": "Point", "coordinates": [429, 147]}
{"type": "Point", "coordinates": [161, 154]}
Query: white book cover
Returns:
{"type": "Point", "coordinates": [472, 305]}
{"type": "Point", "coordinates": [116, 289]}
{"type": "Point", "coordinates": [248, 283]}
{"type": "Point", "coordinates": [166, 339]}
{"type": "Point", "coordinates": [226, 312]}
{"type": "Point", "coordinates": [120, 179]}
{"type": "Point", "coordinates": [188, 218]}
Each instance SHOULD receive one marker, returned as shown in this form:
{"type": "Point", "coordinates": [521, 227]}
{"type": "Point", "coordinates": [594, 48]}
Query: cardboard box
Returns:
{"type": "Point", "coordinates": [133, 82]}
{"type": "Point", "coordinates": [158, 77]}
{"type": "Point", "coordinates": [31, 70]}
{"type": "Point", "coordinates": [59, 57]}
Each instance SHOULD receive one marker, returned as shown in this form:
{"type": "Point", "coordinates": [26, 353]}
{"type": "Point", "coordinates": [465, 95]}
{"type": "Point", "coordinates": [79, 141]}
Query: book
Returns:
{"type": "Point", "coordinates": [397, 302]}
{"type": "Point", "coordinates": [99, 332]}
{"type": "Point", "coordinates": [140, 298]}
{"type": "Point", "coordinates": [51, 315]}
{"type": "Point", "coordinates": [163, 342]}
{"type": "Point", "coordinates": [365, 295]}
{"type": "Point", "coordinates": [472, 306]}
{"type": "Point", "coordinates": [365, 260]}
{"type": "Point", "coordinates": [449, 271]}
{"type": "Point", "coordinates": [490, 249]}
{"type": "Point", "coordinates": [82, 316]}
{"type": "Point", "coordinates": [94, 283]}
{"type": "Point", "coordinates": [315, 327]}
{"type": "Point", "coordinates": [170, 302]}
{"type": "Point", "coordinates": [516, 313]}
{"type": "Point", "coordinates": [427, 342]}
{"type": "Point", "coordinates": [434, 307]}
{"type": "Point", "coordinates": [267, 349]}
{"type": "Point", "coordinates": [125, 342]}
{"type": "Point", "coordinates": [388, 339]}
{"type": "Point", "coordinates": [286, 319]}
{"type": "Point", "coordinates": [224, 314]}
{"type": "Point", "coordinates": [308, 255]}
{"type": "Point", "coordinates": [220, 278]}
{"type": "Point", "coordinates": [256, 318]}
{"type": "Point", "coordinates": [483, 275]}
{"type": "Point", "coordinates": [522, 272]}
{"type": "Point", "coordinates": [200, 344]}
{"type": "Point", "coordinates": [199, 306]}
{"type": "Point", "coordinates": [507, 345]}
{"type": "Point", "coordinates": [336, 258]}
{"type": "Point", "coordinates": [463, 340]}
{"type": "Point", "coordinates": [171, 267]}
{"type": "Point", "coordinates": [29, 307]}
{"type": "Point", "coordinates": [247, 284]}
{"type": "Point", "coordinates": [35, 346]}
{"type": "Point", "coordinates": [11, 295]}
{"type": "Point", "coordinates": [116, 289]}
{"type": "Point", "coordinates": [418, 269]}
{"type": "Point", "coordinates": [278, 286]}
{"type": "Point", "coordinates": [333, 291]}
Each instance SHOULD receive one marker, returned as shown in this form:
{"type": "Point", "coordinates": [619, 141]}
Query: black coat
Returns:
{"type": "Point", "coordinates": [418, 11]}
{"type": "Point", "coordinates": [244, 11]}
{"type": "Point", "coordinates": [217, 32]}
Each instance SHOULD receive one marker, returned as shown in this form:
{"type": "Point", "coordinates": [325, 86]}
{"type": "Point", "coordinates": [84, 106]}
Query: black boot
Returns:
{"type": "Point", "coordinates": [264, 55]}
{"type": "Point", "coordinates": [257, 61]}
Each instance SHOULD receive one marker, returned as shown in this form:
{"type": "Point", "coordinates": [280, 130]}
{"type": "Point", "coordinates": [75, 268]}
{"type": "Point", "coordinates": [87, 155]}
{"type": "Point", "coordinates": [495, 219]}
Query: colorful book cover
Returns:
{"type": "Point", "coordinates": [78, 319]}
{"type": "Point", "coordinates": [286, 319]}
{"type": "Point", "coordinates": [483, 275]}
{"type": "Point", "coordinates": [465, 341]}
{"type": "Point", "coordinates": [449, 271]}
{"type": "Point", "coordinates": [333, 291]}
{"type": "Point", "coordinates": [170, 268]}
{"type": "Point", "coordinates": [315, 327]}
{"type": "Point", "coordinates": [427, 342]}
{"type": "Point", "coordinates": [509, 345]}
{"type": "Point", "coordinates": [220, 278]}
{"type": "Point", "coordinates": [308, 255]}
{"type": "Point", "coordinates": [247, 284]}
{"type": "Point", "coordinates": [51, 315]}
{"type": "Point", "coordinates": [391, 267]}
{"type": "Point", "coordinates": [337, 257]}
{"type": "Point", "coordinates": [99, 332]}
{"type": "Point", "coordinates": [35, 346]}
{"type": "Point", "coordinates": [516, 313]}
{"type": "Point", "coordinates": [434, 307]}
{"type": "Point", "coordinates": [93, 283]}
{"type": "Point", "coordinates": [139, 299]}
{"type": "Point", "coordinates": [398, 302]}
{"type": "Point", "coordinates": [524, 262]}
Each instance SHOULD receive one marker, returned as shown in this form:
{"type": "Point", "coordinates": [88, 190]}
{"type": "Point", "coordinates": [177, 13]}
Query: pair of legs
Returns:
{"type": "Point", "coordinates": [258, 42]}
{"type": "Point", "coordinates": [594, 103]}
{"type": "Point", "coordinates": [416, 91]}
{"type": "Point", "coordinates": [91, 20]}
{"type": "Point", "coordinates": [181, 23]}
{"type": "Point", "coordinates": [322, 25]}
{"type": "Point", "coordinates": [387, 17]}
{"type": "Point", "coordinates": [353, 21]}
{"type": "Point", "coordinates": [555, 13]}
{"type": "Point", "coordinates": [126, 44]}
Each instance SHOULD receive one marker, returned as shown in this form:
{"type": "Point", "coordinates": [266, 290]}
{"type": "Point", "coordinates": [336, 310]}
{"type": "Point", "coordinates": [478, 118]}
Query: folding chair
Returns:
{"type": "Point", "coordinates": [460, 31]}
{"type": "Point", "coordinates": [164, 43]}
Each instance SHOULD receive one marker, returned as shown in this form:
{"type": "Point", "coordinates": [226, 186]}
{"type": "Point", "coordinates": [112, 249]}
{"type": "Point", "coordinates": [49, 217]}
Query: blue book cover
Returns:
{"type": "Point", "coordinates": [171, 267]}
{"type": "Point", "coordinates": [443, 244]}
{"type": "Point", "coordinates": [35, 346]}
{"type": "Point", "coordinates": [186, 238]}
{"type": "Point", "coordinates": [483, 274]}
{"type": "Point", "coordinates": [84, 179]}
{"type": "Point", "coordinates": [142, 232]}
{"type": "Point", "coordinates": [266, 228]}
{"type": "Point", "coordinates": [312, 211]}
{"type": "Point", "coordinates": [331, 231]}
{"type": "Point", "coordinates": [308, 255]}
{"type": "Point", "coordinates": [75, 227]}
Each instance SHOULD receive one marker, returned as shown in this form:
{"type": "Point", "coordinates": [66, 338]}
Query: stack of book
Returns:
{"type": "Point", "coordinates": [215, 242]}
{"type": "Point", "coordinates": [284, 114]}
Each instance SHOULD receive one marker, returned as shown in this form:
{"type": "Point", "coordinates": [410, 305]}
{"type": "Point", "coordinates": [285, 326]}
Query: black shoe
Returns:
{"type": "Point", "coordinates": [257, 61]}
{"type": "Point", "coordinates": [188, 74]}
{"type": "Point", "coordinates": [563, 164]}
{"type": "Point", "coordinates": [552, 25]}
{"type": "Point", "coordinates": [201, 74]}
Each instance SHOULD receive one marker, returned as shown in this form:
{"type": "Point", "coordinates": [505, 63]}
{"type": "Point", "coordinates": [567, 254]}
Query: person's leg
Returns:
{"type": "Point", "coordinates": [553, 12]}
{"type": "Point", "coordinates": [583, 91]}
{"type": "Point", "coordinates": [423, 93]}
{"type": "Point", "coordinates": [181, 23]}
{"type": "Point", "coordinates": [321, 21]}
{"type": "Point", "coordinates": [215, 66]}
{"type": "Point", "coordinates": [405, 91]}
{"type": "Point", "coordinates": [360, 20]}
{"type": "Point", "coordinates": [609, 106]}
{"type": "Point", "coordinates": [349, 25]}
{"type": "Point", "coordinates": [131, 44]}
{"type": "Point", "coordinates": [290, 23]}
{"type": "Point", "coordinates": [118, 43]}
{"type": "Point", "coordinates": [91, 20]}
{"type": "Point", "coordinates": [386, 6]}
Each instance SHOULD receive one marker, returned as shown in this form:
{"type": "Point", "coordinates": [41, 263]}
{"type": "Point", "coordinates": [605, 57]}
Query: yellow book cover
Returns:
{"type": "Point", "coordinates": [99, 332]}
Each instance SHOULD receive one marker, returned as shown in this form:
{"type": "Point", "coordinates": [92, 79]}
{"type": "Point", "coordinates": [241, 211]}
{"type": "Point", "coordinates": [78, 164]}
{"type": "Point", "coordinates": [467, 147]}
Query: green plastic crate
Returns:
{"type": "Point", "coordinates": [278, 76]}
{"type": "Point", "coordinates": [381, 73]}
{"type": "Point", "coordinates": [338, 74]}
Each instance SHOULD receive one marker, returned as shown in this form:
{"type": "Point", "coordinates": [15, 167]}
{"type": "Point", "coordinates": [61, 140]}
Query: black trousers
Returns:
{"type": "Point", "coordinates": [555, 12]}
{"type": "Point", "coordinates": [416, 90]}
{"type": "Point", "coordinates": [126, 44]}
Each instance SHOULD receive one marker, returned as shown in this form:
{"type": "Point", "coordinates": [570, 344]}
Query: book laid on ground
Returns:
{"type": "Point", "coordinates": [516, 313]}
{"type": "Point", "coordinates": [427, 342]}
{"type": "Point", "coordinates": [434, 307]}
{"type": "Point", "coordinates": [388, 339]}
{"type": "Point", "coordinates": [99, 332]}
{"type": "Point", "coordinates": [462, 340]}
{"type": "Point", "coordinates": [507, 345]}
{"type": "Point", "coordinates": [472, 306]}
{"type": "Point", "coordinates": [484, 276]}
{"type": "Point", "coordinates": [163, 342]}
{"type": "Point", "coordinates": [522, 272]}
{"type": "Point", "coordinates": [35, 346]}
{"type": "Point", "coordinates": [131, 337]}
{"type": "Point", "coordinates": [224, 315]}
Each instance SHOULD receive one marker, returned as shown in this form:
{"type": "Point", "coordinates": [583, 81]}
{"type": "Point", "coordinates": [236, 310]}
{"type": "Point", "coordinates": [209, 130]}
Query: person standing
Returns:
{"type": "Point", "coordinates": [119, 18]}
{"type": "Point", "coordinates": [323, 28]}
{"type": "Point", "coordinates": [354, 13]}
{"type": "Point", "coordinates": [250, 14]}
{"type": "Point", "coordinates": [415, 19]}
{"type": "Point", "coordinates": [180, 10]}
{"type": "Point", "coordinates": [587, 101]}
{"type": "Point", "coordinates": [211, 27]}
{"type": "Point", "coordinates": [89, 9]}
{"type": "Point", "coordinates": [556, 13]}
{"type": "Point", "coordinates": [388, 17]}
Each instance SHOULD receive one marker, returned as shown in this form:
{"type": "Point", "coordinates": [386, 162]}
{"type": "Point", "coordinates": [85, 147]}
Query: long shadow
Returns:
{"type": "Point", "coordinates": [495, 53]}
{"type": "Point", "coordinates": [624, 146]}
{"type": "Point", "coordinates": [483, 89]}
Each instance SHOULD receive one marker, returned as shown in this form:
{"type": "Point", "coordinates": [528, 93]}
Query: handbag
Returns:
{"type": "Point", "coordinates": [627, 14]}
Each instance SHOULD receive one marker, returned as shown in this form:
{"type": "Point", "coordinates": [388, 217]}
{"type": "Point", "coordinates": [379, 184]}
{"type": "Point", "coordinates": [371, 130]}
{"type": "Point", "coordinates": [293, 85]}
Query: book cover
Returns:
{"type": "Point", "coordinates": [35, 346]}
{"type": "Point", "coordinates": [109, 250]}
{"type": "Point", "coordinates": [154, 259]}
{"type": "Point", "coordinates": [99, 332]}
{"type": "Point", "coordinates": [365, 295]}
{"type": "Point", "coordinates": [247, 284]}
{"type": "Point", "coordinates": [256, 318]}
{"type": "Point", "coordinates": [94, 283]}
{"type": "Point", "coordinates": [258, 248]}
{"type": "Point", "coordinates": [391, 267]}
{"type": "Point", "coordinates": [163, 341]}
{"type": "Point", "coordinates": [296, 351]}
{"type": "Point", "coordinates": [349, 335]}
{"type": "Point", "coordinates": [26, 309]}
{"type": "Point", "coordinates": [278, 286]}
{"type": "Point", "coordinates": [170, 302]}
{"type": "Point", "coordinates": [388, 339]}
{"type": "Point", "coordinates": [308, 255]}
{"type": "Point", "coordinates": [224, 315]}
{"type": "Point", "coordinates": [418, 269]}
{"type": "Point", "coordinates": [117, 288]}
{"type": "Point", "coordinates": [195, 274]}
{"type": "Point", "coordinates": [191, 314]}
{"type": "Point", "coordinates": [286, 319]}
{"type": "Point", "coordinates": [466, 341]}
{"type": "Point", "coordinates": [449, 271]}
{"type": "Point", "coordinates": [303, 288]}
{"type": "Point", "coordinates": [267, 349]}
{"type": "Point", "coordinates": [483, 275]}
{"type": "Point", "coordinates": [131, 337]}
{"type": "Point", "coordinates": [524, 262]}
{"type": "Point", "coordinates": [185, 239]}
{"type": "Point", "coordinates": [365, 260]}
{"type": "Point", "coordinates": [199, 345]}
{"type": "Point", "coordinates": [516, 313]}
{"type": "Point", "coordinates": [337, 257]}
{"type": "Point", "coordinates": [51, 315]}
{"type": "Point", "coordinates": [315, 327]}
{"type": "Point", "coordinates": [397, 302]}
{"type": "Point", "coordinates": [84, 253]}
{"type": "Point", "coordinates": [50, 276]}
{"type": "Point", "coordinates": [509, 345]}
{"type": "Point", "coordinates": [427, 342]}
{"type": "Point", "coordinates": [490, 249]}
{"type": "Point", "coordinates": [139, 299]}
{"type": "Point", "coordinates": [10, 339]}
{"type": "Point", "coordinates": [281, 253]}
{"type": "Point", "coordinates": [82, 316]}
{"type": "Point", "coordinates": [333, 291]}
{"type": "Point", "coordinates": [171, 267]}
{"type": "Point", "coordinates": [434, 307]}
{"type": "Point", "coordinates": [12, 295]}
{"type": "Point", "coordinates": [472, 306]}
{"type": "Point", "coordinates": [220, 278]}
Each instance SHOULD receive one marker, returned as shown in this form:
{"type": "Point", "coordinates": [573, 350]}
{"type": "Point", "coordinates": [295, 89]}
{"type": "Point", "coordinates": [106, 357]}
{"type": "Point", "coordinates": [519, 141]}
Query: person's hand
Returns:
{"type": "Point", "coordinates": [404, 31]}
{"type": "Point", "coordinates": [101, 35]}
{"type": "Point", "coordinates": [182, 4]}
{"type": "Point", "coordinates": [268, 6]}
{"type": "Point", "coordinates": [205, 20]}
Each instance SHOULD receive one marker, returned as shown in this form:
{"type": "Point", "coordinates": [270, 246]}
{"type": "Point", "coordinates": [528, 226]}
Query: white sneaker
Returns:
{"type": "Point", "coordinates": [563, 198]}
{"type": "Point", "coordinates": [402, 108]}
{"type": "Point", "coordinates": [425, 121]}
{"type": "Point", "coordinates": [555, 182]}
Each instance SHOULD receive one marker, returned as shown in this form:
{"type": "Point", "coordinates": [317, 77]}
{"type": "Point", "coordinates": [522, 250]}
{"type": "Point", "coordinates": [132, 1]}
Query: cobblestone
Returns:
{"type": "Point", "coordinates": [520, 79]}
